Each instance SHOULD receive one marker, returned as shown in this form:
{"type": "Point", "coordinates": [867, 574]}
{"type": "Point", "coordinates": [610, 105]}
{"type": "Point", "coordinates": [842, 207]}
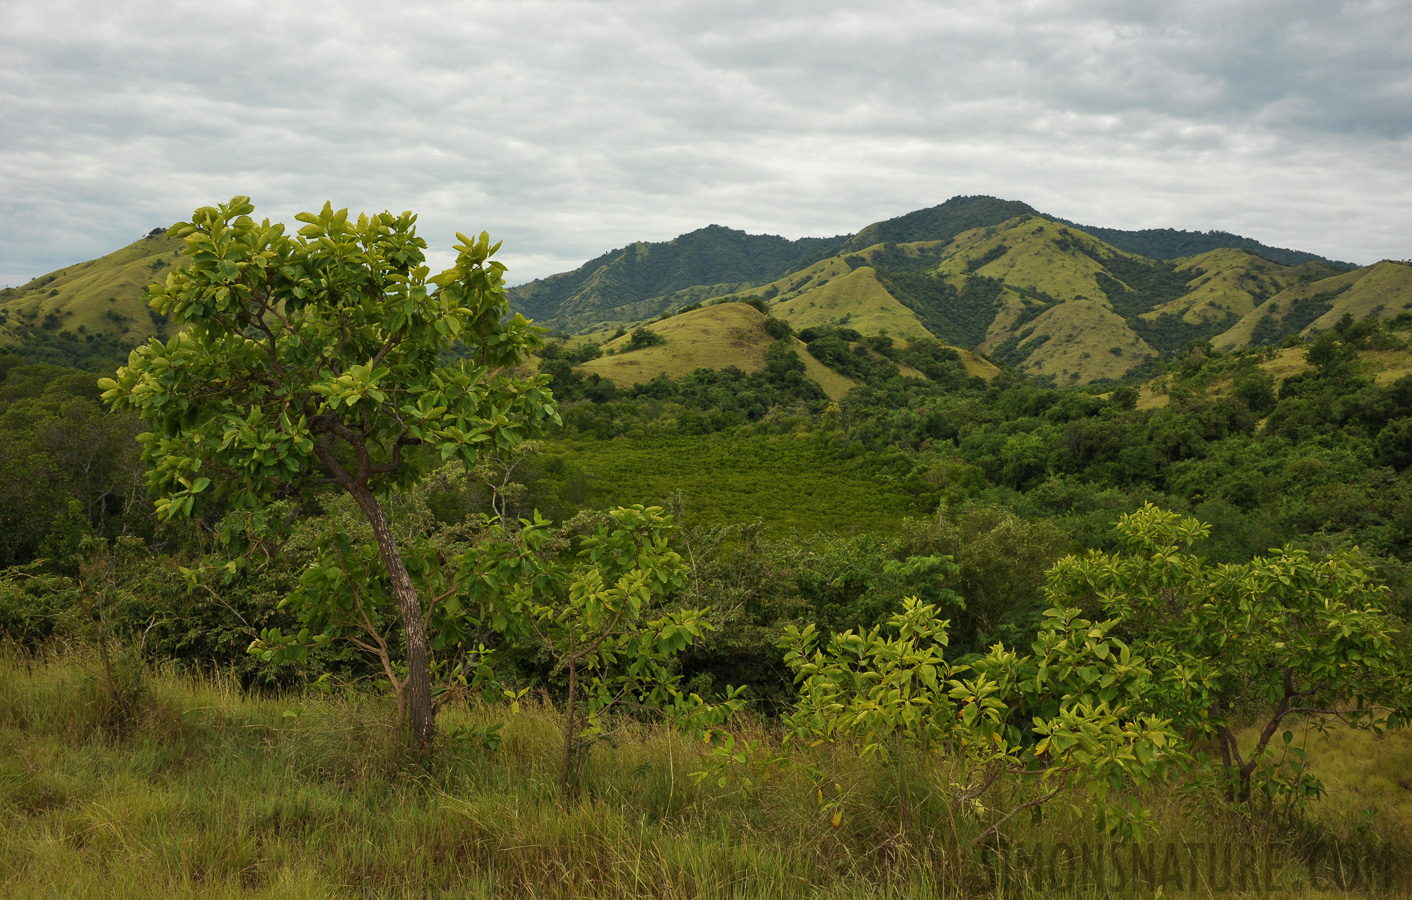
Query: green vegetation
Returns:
{"type": "Point", "coordinates": [642, 272]}
{"type": "Point", "coordinates": [1170, 243]}
{"type": "Point", "coordinates": [65, 466]}
{"type": "Point", "coordinates": [733, 340]}
{"type": "Point", "coordinates": [712, 632]}
{"type": "Point", "coordinates": [1279, 638]}
{"type": "Point", "coordinates": [975, 272]}
{"type": "Point", "coordinates": [216, 792]}
{"type": "Point", "coordinates": [725, 476]}
{"type": "Point", "coordinates": [316, 358]}
{"type": "Point", "coordinates": [959, 317]}
{"type": "Point", "coordinates": [941, 223]}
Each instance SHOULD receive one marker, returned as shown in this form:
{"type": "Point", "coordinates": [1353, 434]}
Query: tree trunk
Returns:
{"type": "Point", "coordinates": [568, 762]}
{"type": "Point", "coordinates": [421, 718]}
{"type": "Point", "coordinates": [904, 797]}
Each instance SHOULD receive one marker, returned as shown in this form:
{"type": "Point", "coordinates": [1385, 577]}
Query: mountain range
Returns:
{"type": "Point", "coordinates": [1068, 303]}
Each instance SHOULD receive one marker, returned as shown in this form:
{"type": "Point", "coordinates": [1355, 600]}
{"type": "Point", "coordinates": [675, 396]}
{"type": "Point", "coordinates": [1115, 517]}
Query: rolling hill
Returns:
{"type": "Point", "coordinates": [91, 312]}
{"type": "Point", "coordinates": [1378, 291]}
{"type": "Point", "coordinates": [1049, 298]}
{"type": "Point", "coordinates": [1381, 366]}
{"type": "Point", "coordinates": [720, 336]}
{"type": "Point", "coordinates": [1056, 301]}
{"type": "Point", "coordinates": [715, 337]}
{"type": "Point", "coordinates": [643, 280]}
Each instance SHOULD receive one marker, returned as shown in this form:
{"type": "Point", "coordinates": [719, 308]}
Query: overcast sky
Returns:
{"type": "Point", "coordinates": [570, 128]}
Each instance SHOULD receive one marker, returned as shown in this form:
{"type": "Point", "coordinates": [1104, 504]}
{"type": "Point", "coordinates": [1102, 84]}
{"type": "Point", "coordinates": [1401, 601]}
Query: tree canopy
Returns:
{"type": "Point", "coordinates": [315, 359]}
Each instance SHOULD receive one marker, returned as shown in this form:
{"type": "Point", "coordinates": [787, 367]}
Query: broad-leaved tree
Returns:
{"type": "Point", "coordinates": [316, 359]}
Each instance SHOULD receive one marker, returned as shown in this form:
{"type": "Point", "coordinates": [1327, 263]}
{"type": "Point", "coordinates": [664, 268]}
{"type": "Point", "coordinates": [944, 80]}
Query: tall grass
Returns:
{"type": "Point", "coordinates": [214, 793]}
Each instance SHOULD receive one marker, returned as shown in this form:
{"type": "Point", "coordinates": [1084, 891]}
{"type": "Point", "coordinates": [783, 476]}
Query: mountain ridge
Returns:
{"type": "Point", "coordinates": [979, 273]}
{"type": "Point", "coordinates": [643, 280]}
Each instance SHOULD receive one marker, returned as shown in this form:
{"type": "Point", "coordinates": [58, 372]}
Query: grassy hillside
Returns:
{"type": "Point", "coordinates": [1012, 310]}
{"type": "Point", "coordinates": [90, 309]}
{"type": "Point", "coordinates": [633, 284]}
{"type": "Point", "coordinates": [1381, 290]}
{"type": "Point", "coordinates": [1230, 282]}
{"type": "Point", "coordinates": [1037, 294]}
{"type": "Point", "coordinates": [1171, 243]}
{"type": "Point", "coordinates": [855, 299]}
{"type": "Point", "coordinates": [1383, 367]}
{"type": "Point", "coordinates": [939, 223]}
{"type": "Point", "coordinates": [975, 272]}
{"type": "Point", "coordinates": [714, 337]}
{"type": "Point", "coordinates": [977, 365]}
{"type": "Point", "coordinates": [1033, 253]}
{"type": "Point", "coordinates": [216, 792]}
{"type": "Point", "coordinates": [1075, 343]}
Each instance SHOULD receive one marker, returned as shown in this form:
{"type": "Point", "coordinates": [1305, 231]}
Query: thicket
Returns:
{"type": "Point", "coordinates": [91, 351]}
{"type": "Point", "coordinates": [1170, 243]}
{"type": "Point", "coordinates": [957, 317]}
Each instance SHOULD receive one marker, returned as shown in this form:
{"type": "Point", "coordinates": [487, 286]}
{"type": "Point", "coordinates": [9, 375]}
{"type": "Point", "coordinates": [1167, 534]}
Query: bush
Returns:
{"type": "Point", "coordinates": [643, 338]}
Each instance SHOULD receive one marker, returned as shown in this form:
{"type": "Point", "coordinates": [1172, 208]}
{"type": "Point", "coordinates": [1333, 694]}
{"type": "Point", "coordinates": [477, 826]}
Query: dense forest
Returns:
{"type": "Point", "coordinates": [1006, 477]}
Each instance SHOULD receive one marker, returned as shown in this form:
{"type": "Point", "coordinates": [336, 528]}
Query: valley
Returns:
{"type": "Point", "coordinates": [952, 453]}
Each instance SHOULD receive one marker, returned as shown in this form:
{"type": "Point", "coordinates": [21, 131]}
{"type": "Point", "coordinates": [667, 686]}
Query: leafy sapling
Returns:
{"type": "Point", "coordinates": [601, 617]}
{"type": "Point", "coordinates": [1059, 720]}
{"type": "Point", "coordinates": [1286, 638]}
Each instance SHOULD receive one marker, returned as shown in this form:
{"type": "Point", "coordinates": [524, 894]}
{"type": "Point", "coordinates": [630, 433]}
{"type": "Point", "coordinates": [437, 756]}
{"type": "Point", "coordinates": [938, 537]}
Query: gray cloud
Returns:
{"type": "Point", "coordinates": [568, 128]}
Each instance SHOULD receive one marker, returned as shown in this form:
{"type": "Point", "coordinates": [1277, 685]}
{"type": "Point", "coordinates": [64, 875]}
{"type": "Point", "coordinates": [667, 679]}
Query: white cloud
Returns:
{"type": "Point", "coordinates": [569, 128]}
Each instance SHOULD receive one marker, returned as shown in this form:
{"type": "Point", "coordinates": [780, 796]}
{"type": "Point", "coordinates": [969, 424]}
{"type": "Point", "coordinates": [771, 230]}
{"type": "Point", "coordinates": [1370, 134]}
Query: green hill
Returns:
{"type": "Point", "coordinates": [637, 283]}
{"type": "Point", "coordinates": [1231, 282]}
{"type": "Point", "coordinates": [1381, 290]}
{"type": "Point", "coordinates": [990, 275]}
{"type": "Point", "coordinates": [89, 314]}
{"type": "Point", "coordinates": [940, 223]}
{"type": "Point", "coordinates": [643, 280]}
{"type": "Point", "coordinates": [1169, 243]}
{"type": "Point", "coordinates": [1059, 303]}
{"type": "Point", "coordinates": [715, 337]}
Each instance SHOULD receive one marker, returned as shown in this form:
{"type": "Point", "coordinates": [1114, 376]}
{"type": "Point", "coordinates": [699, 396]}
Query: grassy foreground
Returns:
{"type": "Point", "coordinates": [210, 792]}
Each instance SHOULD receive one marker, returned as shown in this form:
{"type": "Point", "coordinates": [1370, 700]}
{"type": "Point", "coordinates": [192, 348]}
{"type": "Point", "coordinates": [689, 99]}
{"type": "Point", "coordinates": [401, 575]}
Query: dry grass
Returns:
{"type": "Point", "coordinates": [857, 300]}
{"type": "Point", "coordinates": [977, 365]}
{"type": "Point", "coordinates": [1033, 260]}
{"type": "Point", "coordinates": [715, 337]}
{"type": "Point", "coordinates": [1082, 335]}
{"type": "Point", "coordinates": [1381, 290]}
{"type": "Point", "coordinates": [834, 384]}
{"type": "Point", "coordinates": [1010, 307]}
{"type": "Point", "coordinates": [1229, 285]}
{"type": "Point", "coordinates": [221, 794]}
{"type": "Point", "coordinates": [1384, 366]}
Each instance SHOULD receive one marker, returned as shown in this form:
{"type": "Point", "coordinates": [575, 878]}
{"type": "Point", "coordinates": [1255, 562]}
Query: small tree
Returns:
{"type": "Point", "coordinates": [641, 338]}
{"type": "Point", "coordinates": [1282, 636]}
{"type": "Point", "coordinates": [100, 598]}
{"type": "Point", "coordinates": [345, 595]}
{"type": "Point", "coordinates": [601, 618]}
{"type": "Point", "coordinates": [316, 360]}
{"type": "Point", "coordinates": [1059, 720]}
